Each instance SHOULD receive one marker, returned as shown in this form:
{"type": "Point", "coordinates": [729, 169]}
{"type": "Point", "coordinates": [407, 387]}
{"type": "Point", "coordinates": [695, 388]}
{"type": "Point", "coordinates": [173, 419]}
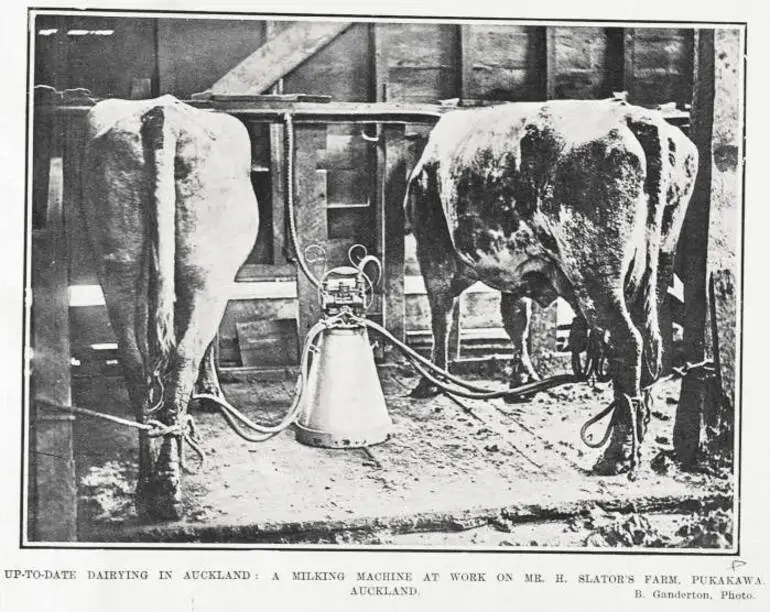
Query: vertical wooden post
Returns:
{"type": "Point", "coordinates": [52, 502]}
{"type": "Point", "coordinates": [550, 62]}
{"type": "Point", "coordinates": [726, 199]}
{"type": "Point", "coordinates": [628, 62]}
{"type": "Point", "coordinates": [379, 83]}
{"type": "Point", "coordinates": [310, 215]}
{"type": "Point", "coordinates": [694, 242]}
{"type": "Point", "coordinates": [278, 192]}
{"type": "Point", "coordinates": [393, 188]}
{"type": "Point", "coordinates": [466, 62]}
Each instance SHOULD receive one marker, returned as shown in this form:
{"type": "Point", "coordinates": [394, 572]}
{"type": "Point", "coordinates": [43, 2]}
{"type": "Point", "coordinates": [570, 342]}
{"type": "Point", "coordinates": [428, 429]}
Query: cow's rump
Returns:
{"type": "Point", "coordinates": [171, 215]}
{"type": "Point", "coordinates": [582, 199]}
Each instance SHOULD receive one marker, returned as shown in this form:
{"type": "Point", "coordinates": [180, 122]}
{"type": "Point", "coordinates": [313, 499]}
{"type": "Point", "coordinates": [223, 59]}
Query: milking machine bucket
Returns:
{"type": "Point", "coordinates": [342, 404]}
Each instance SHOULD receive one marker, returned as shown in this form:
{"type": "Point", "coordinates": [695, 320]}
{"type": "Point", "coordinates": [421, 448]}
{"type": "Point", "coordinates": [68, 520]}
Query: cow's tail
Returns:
{"type": "Point", "coordinates": [412, 187]}
{"type": "Point", "coordinates": [160, 149]}
{"type": "Point", "coordinates": [644, 305]}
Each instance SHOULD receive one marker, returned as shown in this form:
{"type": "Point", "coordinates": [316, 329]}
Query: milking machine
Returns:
{"type": "Point", "coordinates": [342, 405]}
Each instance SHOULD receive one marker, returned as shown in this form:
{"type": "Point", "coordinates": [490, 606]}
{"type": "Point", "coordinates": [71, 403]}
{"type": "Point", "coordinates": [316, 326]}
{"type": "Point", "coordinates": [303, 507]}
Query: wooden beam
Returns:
{"type": "Point", "coordinates": [278, 195]}
{"type": "Point", "coordinates": [628, 62]}
{"type": "Point", "coordinates": [272, 28]}
{"type": "Point", "coordinates": [550, 62]}
{"type": "Point", "coordinates": [394, 189]}
{"type": "Point", "coordinates": [694, 395]}
{"type": "Point", "coordinates": [379, 63]}
{"type": "Point", "coordinates": [466, 61]}
{"type": "Point", "coordinates": [52, 505]}
{"type": "Point", "coordinates": [726, 200]}
{"type": "Point", "coordinates": [278, 57]}
{"type": "Point", "coordinates": [310, 216]}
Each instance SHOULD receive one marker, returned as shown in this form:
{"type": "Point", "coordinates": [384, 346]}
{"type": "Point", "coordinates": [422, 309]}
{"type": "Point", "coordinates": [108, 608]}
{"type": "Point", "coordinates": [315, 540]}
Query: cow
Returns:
{"type": "Point", "coordinates": [582, 199]}
{"type": "Point", "coordinates": [171, 215]}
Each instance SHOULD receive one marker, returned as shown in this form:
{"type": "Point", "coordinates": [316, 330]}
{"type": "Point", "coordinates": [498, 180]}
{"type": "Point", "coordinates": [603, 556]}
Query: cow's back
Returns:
{"type": "Point", "coordinates": [496, 165]}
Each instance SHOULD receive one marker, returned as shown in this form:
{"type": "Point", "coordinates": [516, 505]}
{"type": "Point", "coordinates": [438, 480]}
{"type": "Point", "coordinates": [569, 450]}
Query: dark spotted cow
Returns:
{"type": "Point", "coordinates": [579, 199]}
{"type": "Point", "coordinates": [171, 215]}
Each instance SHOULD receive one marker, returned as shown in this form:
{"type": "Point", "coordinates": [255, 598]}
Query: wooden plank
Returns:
{"type": "Point", "coordinates": [80, 258]}
{"type": "Point", "coordinates": [550, 62]}
{"type": "Point", "coordinates": [310, 216]}
{"type": "Point", "coordinates": [247, 311]}
{"type": "Point", "coordinates": [267, 342]}
{"type": "Point", "coordinates": [465, 60]}
{"type": "Point", "coordinates": [272, 28]}
{"type": "Point", "coordinates": [628, 62]}
{"type": "Point", "coordinates": [421, 61]}
{"type": "Point", "coordinates": [255, 110]}
{"type": "Point", "coordinates": [726, 198]}
{"type": "Point", "coordinates": [380, 63]}
{"type": "Point", "coordinates": [580, 63]}
{"type": "Point", "coordinates": [393, 191]}
{"type": "Point", "coordinates": [53, 498]}
{"type": "Point", "coordinates": [278, 193]}
{"type": "Point", "coordinates": [687, 426]}
{"type": "Point", "coordinates": [279, 56]}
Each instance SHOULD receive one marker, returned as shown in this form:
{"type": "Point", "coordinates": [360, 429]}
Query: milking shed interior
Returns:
{"type": "Point", "coordinates": [351, 172]}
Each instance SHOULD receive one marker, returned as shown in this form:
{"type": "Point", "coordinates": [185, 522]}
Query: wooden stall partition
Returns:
{"type": "Point", "coordinates": [52, 499]}
{"type": "Point", "coordinates": [711, 241]}
{"type": "Point", "coordinates": [725, 215]}
{"type": "Point", "coordinates": [694, 244]}
{"type": "Point", "coordinates": [392, 183]}
{"type": "Point", "coordinates": [310, 205]}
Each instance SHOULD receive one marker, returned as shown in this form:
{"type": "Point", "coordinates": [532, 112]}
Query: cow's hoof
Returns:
{"type": "Point", "coordinates": [612, 466]}
{"type": "Point", "coordinates": [425, 390]}
{"type": "Point", "coordinates": [159, 497]}
{"type": "Point", "coordinates": [615, 460]}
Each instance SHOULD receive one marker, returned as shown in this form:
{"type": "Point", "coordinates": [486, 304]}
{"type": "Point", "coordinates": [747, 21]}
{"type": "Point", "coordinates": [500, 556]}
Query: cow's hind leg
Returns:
{"type": "Point", "coordinates": [198, 312]}
{"type": "Point", "coordinates": [516, 312]}
{"type": "Point", "coordinates": [627, 345]}
{"type": "Point", "coordinates": [129, 324]}
{"type": "Point", "coordinates": [442, 298]}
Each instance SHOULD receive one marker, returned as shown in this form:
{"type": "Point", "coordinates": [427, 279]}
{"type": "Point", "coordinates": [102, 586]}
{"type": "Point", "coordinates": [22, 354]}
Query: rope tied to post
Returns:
{"type": "Point", "coordinates": [630, 403]}
{"type": "Point", "coordinates": [184, 429]}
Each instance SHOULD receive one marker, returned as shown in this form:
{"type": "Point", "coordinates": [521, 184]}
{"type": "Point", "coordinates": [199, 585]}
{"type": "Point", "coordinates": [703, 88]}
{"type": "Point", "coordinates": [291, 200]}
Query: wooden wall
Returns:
{"type": "Point", "coordinates": [418, 62]}
{"type": "Point", "coordinates": [397, 62]}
